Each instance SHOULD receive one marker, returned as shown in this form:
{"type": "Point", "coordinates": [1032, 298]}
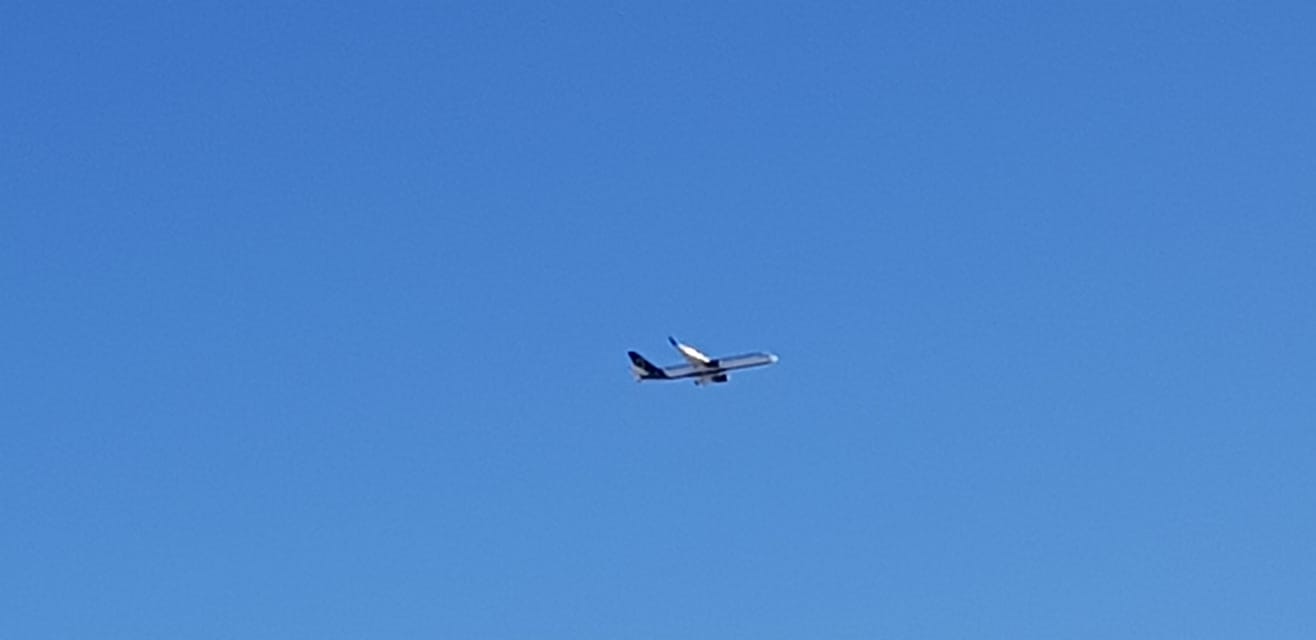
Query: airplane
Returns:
{"type": "Point", "coordinates": [703, 369]}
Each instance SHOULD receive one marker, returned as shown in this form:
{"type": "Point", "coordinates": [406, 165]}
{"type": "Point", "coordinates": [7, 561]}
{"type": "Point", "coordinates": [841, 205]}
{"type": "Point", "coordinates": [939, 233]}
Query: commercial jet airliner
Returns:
{"type": "Point", "coordinates": [703, 369]}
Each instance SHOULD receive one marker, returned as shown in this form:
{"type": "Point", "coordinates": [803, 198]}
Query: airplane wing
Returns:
{"type": "Point", "coordinates": [693, 355]}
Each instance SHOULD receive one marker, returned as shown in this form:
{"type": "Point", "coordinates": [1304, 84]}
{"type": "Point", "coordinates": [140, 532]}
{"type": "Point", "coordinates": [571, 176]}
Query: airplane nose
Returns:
{"type": "Point", "coordinates": [772, 357]}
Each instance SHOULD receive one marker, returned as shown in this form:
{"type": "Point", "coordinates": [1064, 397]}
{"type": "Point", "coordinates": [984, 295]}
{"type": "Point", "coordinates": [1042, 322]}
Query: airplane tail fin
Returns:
{"type": "Point", "coordinates": [643, 368]}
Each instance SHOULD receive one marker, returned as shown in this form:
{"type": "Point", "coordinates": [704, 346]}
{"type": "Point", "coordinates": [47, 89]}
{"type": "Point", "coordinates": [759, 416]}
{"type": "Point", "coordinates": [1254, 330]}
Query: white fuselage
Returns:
{"type": "Point", "coordinates": [720, 365]}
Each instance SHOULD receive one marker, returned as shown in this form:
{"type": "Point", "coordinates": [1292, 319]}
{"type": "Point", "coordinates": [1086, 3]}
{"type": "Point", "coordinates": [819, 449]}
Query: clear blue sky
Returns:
{"type": "Point", "coordinates": [315, 320]}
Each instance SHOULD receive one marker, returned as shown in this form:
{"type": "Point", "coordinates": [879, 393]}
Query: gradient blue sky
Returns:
{"type": "Point", "coordinates": [315, 320]}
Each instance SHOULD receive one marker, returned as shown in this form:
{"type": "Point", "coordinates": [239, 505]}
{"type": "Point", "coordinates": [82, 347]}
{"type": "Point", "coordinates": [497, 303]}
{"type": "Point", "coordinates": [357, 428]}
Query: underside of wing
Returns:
{"type": "Point", "coordinates": [693, 355]}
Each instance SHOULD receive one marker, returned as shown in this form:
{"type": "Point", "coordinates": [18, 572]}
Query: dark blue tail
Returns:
{"type": "Point", "coordinates": [648, 369]}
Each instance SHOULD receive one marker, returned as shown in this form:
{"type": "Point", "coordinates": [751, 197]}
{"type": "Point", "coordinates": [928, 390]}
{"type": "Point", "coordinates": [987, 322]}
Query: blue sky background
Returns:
{"type": "Point", "coordinates": [315, 320]}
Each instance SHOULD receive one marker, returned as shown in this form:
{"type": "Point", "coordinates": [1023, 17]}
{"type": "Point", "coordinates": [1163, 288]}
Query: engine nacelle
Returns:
{"type": "Point", "coordinates": [713, 379]}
